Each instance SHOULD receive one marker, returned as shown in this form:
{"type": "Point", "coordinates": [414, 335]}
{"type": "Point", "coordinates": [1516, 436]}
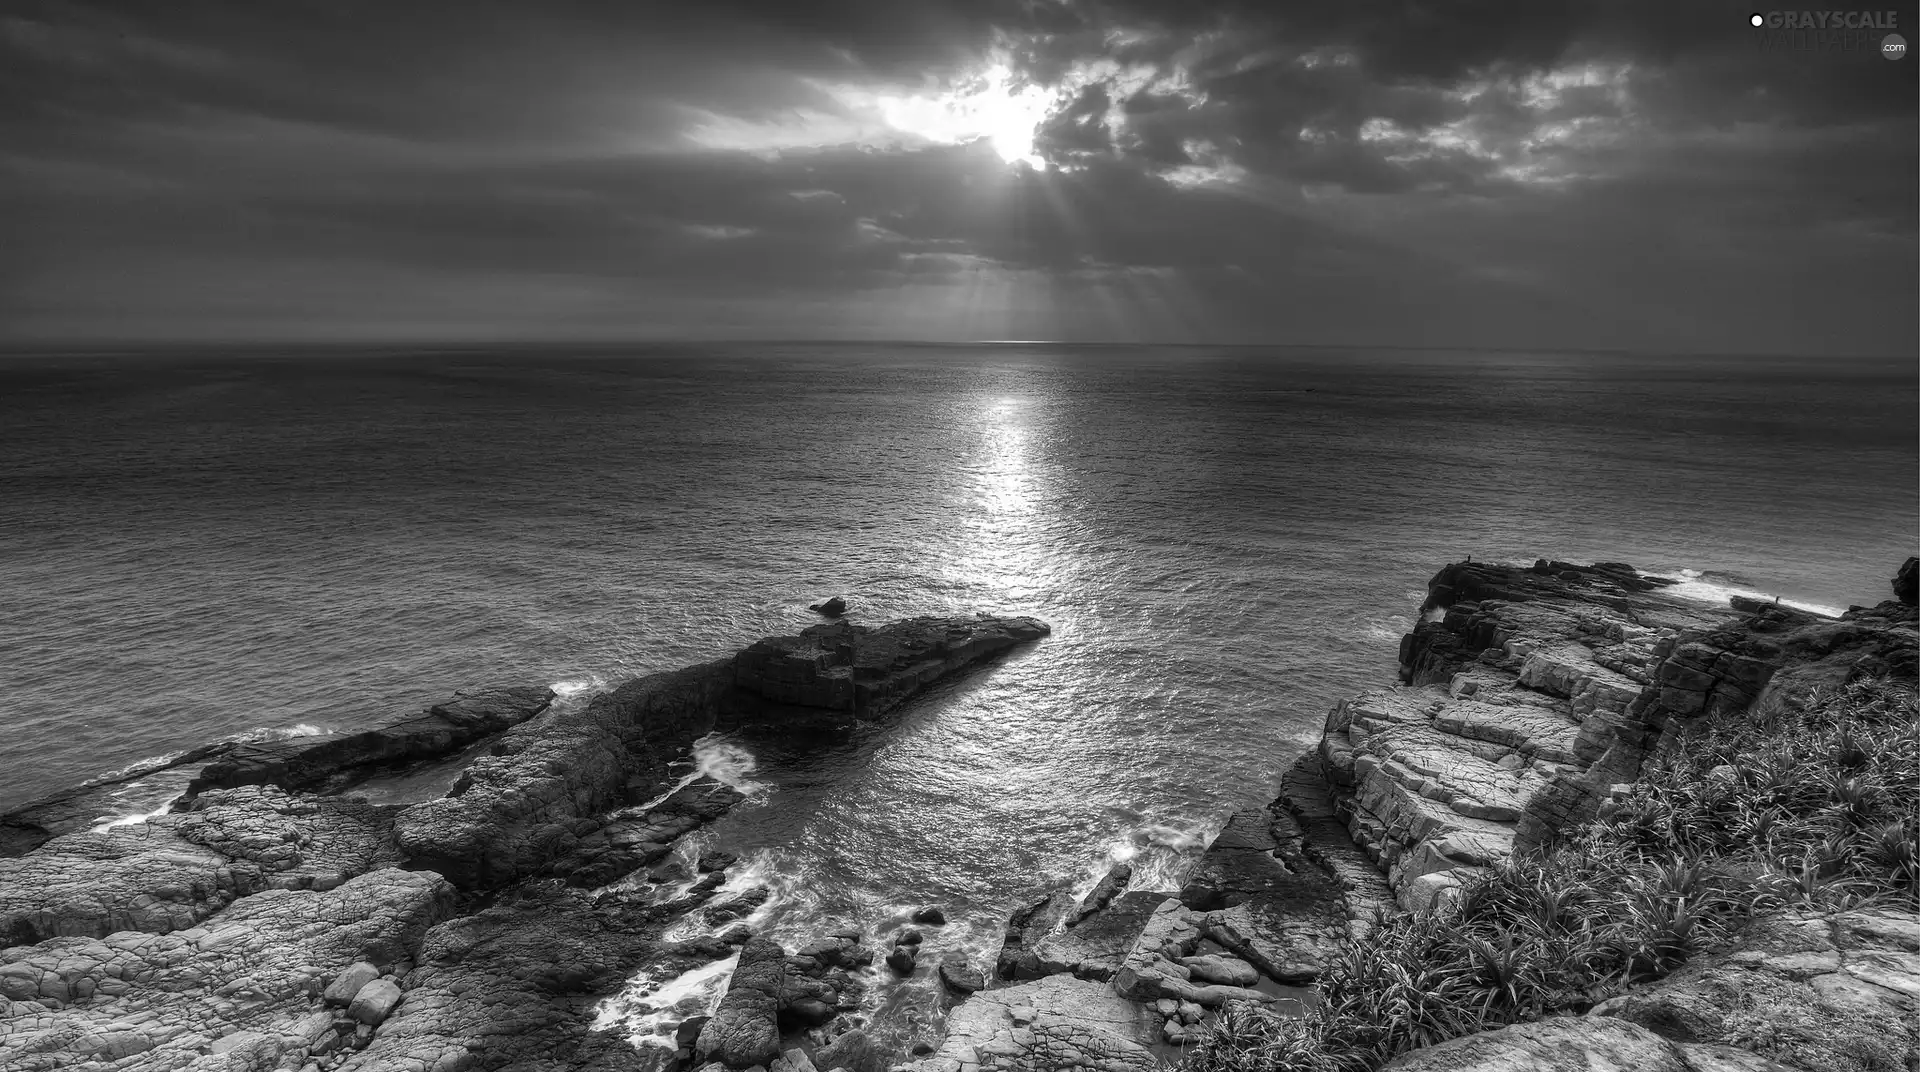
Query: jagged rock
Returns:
{"type": "Point", "coordinates": [903, 958]}
{"type": "Point", "coordinates": [1111, 885]}
{"type": "Point", "coordinates": [1906, 582]}
{"type": "Point", "coordinates": [1024, 932]}
{"type": "Point", "coordinates": [1095, 946]}
{"type": "Point", "coordinates": [513, 812]}
{"type": "Point", "coordinates": [261, 967]}
{"type": "Point", "coordinates": [832, 608]}
{"type": "Point", "coordinates": [716, 860]}
{"type": "Point", "coordinates": [1265, 899]}
{"type": "Point", "coordinates": [509, 812]}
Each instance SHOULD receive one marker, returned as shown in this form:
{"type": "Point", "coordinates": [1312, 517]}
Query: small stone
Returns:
{"type": "Point", "coordinates": [903, 958]}
{"type": "Point", "coordinates": [1022, 1015]}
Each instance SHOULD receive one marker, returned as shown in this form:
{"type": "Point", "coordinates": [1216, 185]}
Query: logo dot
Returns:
{"type": "Point", "coordinates": [1758, 19]}
{"type": "Point", "coordinates": [1893, 46]}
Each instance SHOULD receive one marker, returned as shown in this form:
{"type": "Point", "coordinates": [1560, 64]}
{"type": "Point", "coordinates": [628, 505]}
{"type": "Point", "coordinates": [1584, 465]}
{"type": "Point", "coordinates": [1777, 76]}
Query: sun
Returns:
{"type": "Point", "coordinates": [988, 105]}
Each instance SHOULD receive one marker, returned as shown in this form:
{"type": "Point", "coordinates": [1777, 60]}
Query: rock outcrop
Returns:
{"type": "Point", "coordinates": [311, 762]}
{"type": "Point", "coordinates": [270, 922]}
{"type": "Point", "coordinates": [1513, 677]}
{"type": "Point", "coordinates": [860, 672]}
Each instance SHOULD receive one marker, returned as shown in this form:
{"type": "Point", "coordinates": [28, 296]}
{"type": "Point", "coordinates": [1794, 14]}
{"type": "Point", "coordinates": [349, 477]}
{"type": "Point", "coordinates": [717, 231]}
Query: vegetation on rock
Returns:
{"type": "Point", "coordinates": [1803, 805]}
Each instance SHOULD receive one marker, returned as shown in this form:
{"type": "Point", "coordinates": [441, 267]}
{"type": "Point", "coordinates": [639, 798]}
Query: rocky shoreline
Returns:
{"type": "Point", "coordinates": [275, 918]}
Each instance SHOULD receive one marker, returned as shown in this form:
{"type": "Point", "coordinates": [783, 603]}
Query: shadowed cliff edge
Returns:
{"type": "Point", "coordinates": [278, 918]}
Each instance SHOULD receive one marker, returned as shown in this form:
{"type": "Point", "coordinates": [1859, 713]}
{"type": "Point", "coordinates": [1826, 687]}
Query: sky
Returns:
{"type": "Point", "coordinates": [1632, 174]}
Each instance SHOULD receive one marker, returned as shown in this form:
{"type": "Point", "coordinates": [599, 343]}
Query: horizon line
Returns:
{"type": "Point", "coordinates": [114, 347]}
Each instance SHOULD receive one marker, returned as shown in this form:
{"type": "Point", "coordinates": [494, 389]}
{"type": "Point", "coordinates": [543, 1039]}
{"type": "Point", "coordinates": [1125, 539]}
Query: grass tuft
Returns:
{"type": "Point", "coordinates": [1815, 805]}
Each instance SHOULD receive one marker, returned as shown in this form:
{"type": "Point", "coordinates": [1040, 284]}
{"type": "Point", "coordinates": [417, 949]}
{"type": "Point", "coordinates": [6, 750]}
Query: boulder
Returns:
{"type": "Point", "coordinates": [932, 915]}
{"type": "Point", "coordinates": [1218, 969]}
{"type": "Point", "coordinates": [961, 977]}
{"type": "Point", "coordinates": [375, 1002]}
{"type": "Point", "coordinates": [348, 983]}
{"type": "Point", "coordinates": [832, 608]}
{"type": "Point", "coordinates": [1906, 582]}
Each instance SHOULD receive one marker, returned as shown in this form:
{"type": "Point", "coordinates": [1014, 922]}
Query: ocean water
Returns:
{"type": "Point", "coordinates": [1225, 541]}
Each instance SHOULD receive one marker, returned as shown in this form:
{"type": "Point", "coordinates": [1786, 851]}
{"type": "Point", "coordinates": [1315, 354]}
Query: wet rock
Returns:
{"type": "Point", "coordinates": [737, 907]}
{"type": "Point", "coordinates": [931, 915]}
{"type": "Point", "coordinates": [903, 958]}
{"type": "Point", "coordinates": [1111, 885]}
{"type": "Point", "coordinates": [961, 977]}
{"type": "Point", "coordinates": [793, 1060]}
{"type": "Point", "coordinates": [744, 1030]}
{"type": "Point", "coordinates": [910, 936]}
{"type": "Point", "coordinates": [716, 860]}
{"type": "Point", "coordinates": [832, 608]}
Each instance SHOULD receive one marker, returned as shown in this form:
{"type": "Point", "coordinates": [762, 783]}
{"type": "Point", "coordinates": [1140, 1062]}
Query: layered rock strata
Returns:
{"type": "Point", "coordinates": [1512, 679]}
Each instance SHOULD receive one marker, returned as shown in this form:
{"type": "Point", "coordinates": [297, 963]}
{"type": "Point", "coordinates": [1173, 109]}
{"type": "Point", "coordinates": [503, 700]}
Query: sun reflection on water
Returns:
{"type": "Point", "coordinates": [1007, 504]}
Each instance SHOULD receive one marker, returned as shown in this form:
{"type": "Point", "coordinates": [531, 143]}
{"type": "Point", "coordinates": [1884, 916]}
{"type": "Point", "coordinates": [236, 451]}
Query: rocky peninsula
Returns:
{"type": "Point", "coordinates": [276, 917]}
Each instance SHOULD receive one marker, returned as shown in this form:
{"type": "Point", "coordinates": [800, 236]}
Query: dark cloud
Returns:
{"type": "Point", "coordinates": [1622, 173]}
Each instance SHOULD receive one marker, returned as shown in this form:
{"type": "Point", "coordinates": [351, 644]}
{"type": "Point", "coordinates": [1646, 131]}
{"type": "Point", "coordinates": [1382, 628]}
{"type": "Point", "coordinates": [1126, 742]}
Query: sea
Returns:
{"type": "Point", "coordinates": [201, 544]}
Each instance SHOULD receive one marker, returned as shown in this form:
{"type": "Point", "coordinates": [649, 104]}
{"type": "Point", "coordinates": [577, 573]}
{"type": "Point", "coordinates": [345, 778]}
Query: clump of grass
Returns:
{"type": "Point", "coordinates": [1811, 806]}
